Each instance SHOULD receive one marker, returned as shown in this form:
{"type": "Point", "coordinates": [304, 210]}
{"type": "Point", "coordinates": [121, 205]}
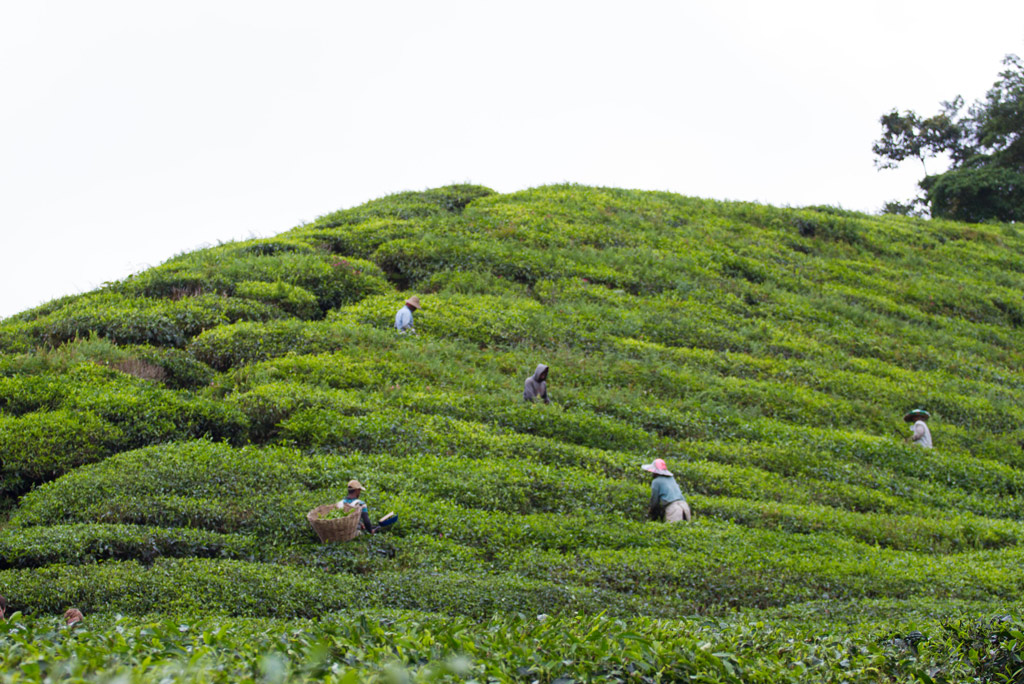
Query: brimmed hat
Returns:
{"type": "Point", "coordinates": [658, 467]}
{"type": "Point", "coordinates": [414, 302]}
{"type": "Point", "coordinates": [354, 484]}
{"type": "Point", "coordinates": [917, 414]}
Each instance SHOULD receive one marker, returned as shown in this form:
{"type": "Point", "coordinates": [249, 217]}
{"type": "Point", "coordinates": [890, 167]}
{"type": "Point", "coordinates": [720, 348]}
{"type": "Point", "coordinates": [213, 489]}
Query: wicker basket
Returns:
{"type": "Point", "coordinates": [336, 529]}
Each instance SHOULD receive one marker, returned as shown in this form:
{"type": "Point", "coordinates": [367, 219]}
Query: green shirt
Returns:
{"type": "Point", "coordinates": [664, 491]}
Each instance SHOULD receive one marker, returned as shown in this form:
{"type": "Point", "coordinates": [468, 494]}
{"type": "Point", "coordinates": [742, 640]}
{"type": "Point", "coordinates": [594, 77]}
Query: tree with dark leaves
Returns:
{"type": "Point", "coordinates": [985, 146]}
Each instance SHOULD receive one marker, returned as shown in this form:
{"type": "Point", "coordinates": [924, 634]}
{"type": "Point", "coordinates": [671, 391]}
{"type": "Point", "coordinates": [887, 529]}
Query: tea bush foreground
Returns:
{"type": "Point", "coordinates": [162, 439]}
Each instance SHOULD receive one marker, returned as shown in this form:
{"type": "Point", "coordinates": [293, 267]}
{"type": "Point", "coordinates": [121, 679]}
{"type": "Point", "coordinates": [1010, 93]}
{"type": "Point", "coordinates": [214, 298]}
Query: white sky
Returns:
{"type": "Point", "coordinates": [133, 131]}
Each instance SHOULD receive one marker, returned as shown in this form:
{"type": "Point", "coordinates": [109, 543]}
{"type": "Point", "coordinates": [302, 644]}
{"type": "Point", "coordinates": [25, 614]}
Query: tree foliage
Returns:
{"type": "Point", "coordinates": [985, 179]}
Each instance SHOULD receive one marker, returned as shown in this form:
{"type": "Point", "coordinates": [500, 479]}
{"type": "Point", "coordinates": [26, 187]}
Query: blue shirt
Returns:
{"type": "Point", "coordinates": [664, 491]}
{"type": "Point", "coordinates": [403, 319]}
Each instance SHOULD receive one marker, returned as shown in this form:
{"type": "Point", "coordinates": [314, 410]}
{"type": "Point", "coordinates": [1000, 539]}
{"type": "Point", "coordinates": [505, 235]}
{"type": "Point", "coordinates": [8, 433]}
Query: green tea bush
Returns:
{"type": "Point", "coordinates": [702, 563]}
{"type": "Point", "coordinates": [244, 343]}
{"type": "Point", "coordinates": [262, 590]}
{"type": "Point", "coordinates": [346, 368]}
{"type": "Point", "coordinates": [266, 405]}
{"type": "Point", "coordinates": [196, 484]}
{"type": "Point", "coordinates": [906, 532]}
{"type": "Point", "coordinates": [23, 394]}
{"type": "Point", "coordinates": [68, 357]}
{"type": "Point", "coordinates": [148, 414]}
{"type": "Point", "coordinates": [332, 280]}
{"type": "Point", "coordinates": [827, 226]}
{"type": "Point", "coordinates": [358, 240]}
{"type": "Point", "coordinates": [409, 261]}
{"type": "Point", "coordinates": [182, 371]}
{"type": "Point", "coordinates": [409, 205]}
{"type": "Point", "coordinates": [993, 647]}
{"type": "Point", "coordinates": [41, 445]}
{"type": "Point", "coordinates": [515, 487]}
{"type": "Point", "coordinates": [579, 426]}
{"type": "Point", "coordinates": [14, 337]}
{"type": "Point", "coordinates": [88, 543]}
{"type": "Point", "coordinates": [144, 320]}
{"type": "Point", "coordinates": [400, 432]}
{"type": "Point", "coordinates": [144, 411]}
{"type": "Point", "coordinates": [799, 569]}
{"type": "Point", "coordinates": [180, 585]}
{"type": "Point", "coordinates": [473, 283]}
{"type": "Point", "coordinates": [269, 247]}
{"type": "Point", "coordinates": [297, 301]}
{"type": "Point", "coordinates": [365, 645]}
{"type": "Point", "coordinates": [40, 311]}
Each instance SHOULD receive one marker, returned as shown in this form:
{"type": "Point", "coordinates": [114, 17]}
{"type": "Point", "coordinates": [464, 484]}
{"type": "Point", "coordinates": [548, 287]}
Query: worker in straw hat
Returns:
{"type": "Point", "coordinates": [353, 498]}
{"type": "Point", "coordinates": [403, 319]}
{"type": "Point", "coordinates": [920, 434]}
{"type": "Point", "coordinates": [667, 501]}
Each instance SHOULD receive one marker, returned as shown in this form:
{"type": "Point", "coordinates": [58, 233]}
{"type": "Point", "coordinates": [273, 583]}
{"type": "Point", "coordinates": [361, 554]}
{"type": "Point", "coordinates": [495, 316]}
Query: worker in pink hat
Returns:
{"type": "Point", "coordinates": [667, 500]}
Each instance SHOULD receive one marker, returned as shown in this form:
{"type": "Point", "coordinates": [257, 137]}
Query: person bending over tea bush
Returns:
{"type": "Point", "coordinates": [352, 498]}
{"type": "Point", "coordinates": [920, 434]}
{"type": "Point", "coordinates": [667, 501]}
{"type": "Point", "coordinates": [73, 616]}
{"type": "Point", "coordinates": [536, 385]}
{"type": "Point", "coordinates": [403, 319]}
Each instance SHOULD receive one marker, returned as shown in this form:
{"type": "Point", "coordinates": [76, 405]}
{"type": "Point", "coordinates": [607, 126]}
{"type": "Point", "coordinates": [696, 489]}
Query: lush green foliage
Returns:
{"type": "Point", "coordinates": [163, 439]}
{"type": "Point", "coordinates": [398, 646]}
{"type": "Point", "coordinates": [986, 179]}
{"type": "Point", "coordinates": [290, 275]}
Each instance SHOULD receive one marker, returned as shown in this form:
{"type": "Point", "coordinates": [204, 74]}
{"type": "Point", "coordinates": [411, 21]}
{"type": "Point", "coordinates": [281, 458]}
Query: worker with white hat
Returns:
{"type": "Point", "coordinates": [919, 432]}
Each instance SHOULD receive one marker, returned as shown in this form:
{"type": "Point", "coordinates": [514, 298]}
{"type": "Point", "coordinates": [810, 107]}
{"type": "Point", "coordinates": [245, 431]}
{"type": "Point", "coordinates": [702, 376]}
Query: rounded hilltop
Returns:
{"type": "Point", "coordinates": [165, 436]}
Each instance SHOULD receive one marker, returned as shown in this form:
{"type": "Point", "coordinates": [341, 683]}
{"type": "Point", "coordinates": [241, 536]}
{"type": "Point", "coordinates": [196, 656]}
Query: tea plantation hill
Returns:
{"type": "Point", "coordinates": [163, 437]}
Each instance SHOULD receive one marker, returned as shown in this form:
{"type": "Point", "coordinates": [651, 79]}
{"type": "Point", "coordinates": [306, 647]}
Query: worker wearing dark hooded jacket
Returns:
{"type": "Point", "coordinates": [536, 385]}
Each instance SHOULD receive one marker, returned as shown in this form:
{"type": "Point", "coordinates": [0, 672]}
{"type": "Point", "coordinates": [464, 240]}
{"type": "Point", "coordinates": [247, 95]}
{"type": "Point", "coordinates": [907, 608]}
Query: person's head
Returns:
{"type": "Point", "coordinates": [72, 616]}
{"type": "Point", "coordinates": [355, 489]}
{"type": "Point", "coordinates": [657, 467]}
{"type": "Point", "coordinates": [413, 303]}
{"type": "Point", "coordinates": [541, 373]}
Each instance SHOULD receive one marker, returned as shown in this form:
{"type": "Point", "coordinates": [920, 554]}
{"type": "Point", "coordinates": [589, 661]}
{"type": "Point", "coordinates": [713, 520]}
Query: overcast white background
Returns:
{"type": "Point", "coordinates": [133, 131]}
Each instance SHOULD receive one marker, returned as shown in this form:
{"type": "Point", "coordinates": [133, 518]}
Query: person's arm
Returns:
{"type": "Point", "coordinates": [654, 507]}
{"type": "Point", "coordinates": [544, 395]}
{"type": "Point", "coordinates": [364, 522]}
